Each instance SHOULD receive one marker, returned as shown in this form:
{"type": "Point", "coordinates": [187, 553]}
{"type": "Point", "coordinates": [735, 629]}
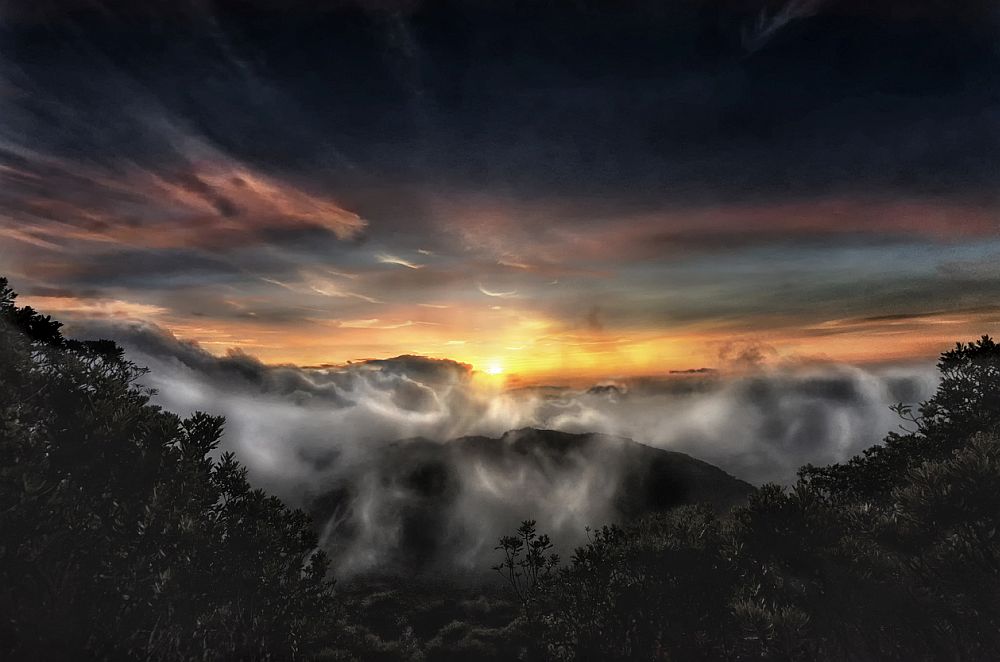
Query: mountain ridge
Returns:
{"type": "Point", "coordinates": [446, 502]}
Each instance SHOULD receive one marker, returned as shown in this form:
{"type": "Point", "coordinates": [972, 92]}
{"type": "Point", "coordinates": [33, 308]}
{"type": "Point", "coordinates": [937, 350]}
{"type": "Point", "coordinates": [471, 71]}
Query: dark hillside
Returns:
{"type": "Point", "coordinates": [422, 487]}
{"type": "Point", "coordinates": [653, 479]}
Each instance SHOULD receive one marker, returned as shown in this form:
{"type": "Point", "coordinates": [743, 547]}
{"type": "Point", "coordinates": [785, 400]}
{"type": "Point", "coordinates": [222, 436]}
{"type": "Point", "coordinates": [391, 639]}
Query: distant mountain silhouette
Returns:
{"type": "Point", "coordinates": [417, 503]}
{"type": "Point", "coordinates": [652, 479]}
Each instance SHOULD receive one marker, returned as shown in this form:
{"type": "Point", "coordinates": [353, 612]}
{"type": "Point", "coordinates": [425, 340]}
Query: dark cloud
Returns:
{"type": "Point", "coordinates": [577, 99]}
{"type": "Point", "coordinates": [433, 372]}
{"type": "Point", "coordinates": [411, 383]}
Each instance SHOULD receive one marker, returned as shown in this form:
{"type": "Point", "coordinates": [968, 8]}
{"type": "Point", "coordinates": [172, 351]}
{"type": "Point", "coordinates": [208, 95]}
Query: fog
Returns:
{"type": "Point", "coordinates": [324, 438]}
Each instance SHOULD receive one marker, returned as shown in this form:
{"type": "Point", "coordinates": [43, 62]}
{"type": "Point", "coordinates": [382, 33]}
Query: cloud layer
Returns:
{"type": "Point", "coordinates": [328, 434]}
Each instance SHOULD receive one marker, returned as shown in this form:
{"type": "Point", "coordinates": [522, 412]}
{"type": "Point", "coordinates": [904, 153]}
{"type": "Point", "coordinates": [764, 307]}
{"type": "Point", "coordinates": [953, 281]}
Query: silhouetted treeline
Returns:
{"type": "Point", "coordinates": [893, 555]}
{"type": "Point", "coordinates": [123, 534]}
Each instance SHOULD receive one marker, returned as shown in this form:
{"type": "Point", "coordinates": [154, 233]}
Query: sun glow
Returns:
{"type": "Point", "coordinates": [494, 368]}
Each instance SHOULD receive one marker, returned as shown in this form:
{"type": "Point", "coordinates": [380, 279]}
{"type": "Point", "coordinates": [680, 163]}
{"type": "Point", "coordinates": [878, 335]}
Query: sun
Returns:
{"type": "Point", "coordinates": [494, 368]}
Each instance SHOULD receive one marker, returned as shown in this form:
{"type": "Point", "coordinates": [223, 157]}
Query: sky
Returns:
{"type": "Point", "coordinates": [543, 191]}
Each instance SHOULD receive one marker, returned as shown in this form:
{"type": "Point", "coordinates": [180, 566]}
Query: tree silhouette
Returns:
{"type": "Point", "coordinates": [125, 533]}
{"type": "Point", "coordinates": [967, 402]}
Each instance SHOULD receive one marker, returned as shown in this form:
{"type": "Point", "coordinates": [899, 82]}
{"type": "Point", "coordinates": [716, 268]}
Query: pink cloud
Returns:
{"type": "Point", "coordinates": [214, 201]}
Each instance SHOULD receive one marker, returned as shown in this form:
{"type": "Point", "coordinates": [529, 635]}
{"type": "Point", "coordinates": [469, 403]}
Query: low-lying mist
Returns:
{"type": "Point", "coordinates": [326, 439]}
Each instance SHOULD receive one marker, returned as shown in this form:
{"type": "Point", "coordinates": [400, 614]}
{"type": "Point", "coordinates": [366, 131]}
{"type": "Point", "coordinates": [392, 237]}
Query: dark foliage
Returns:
{"type": "Point", "coordinates": [427, 620]}
{"type": "Point", "coordinates": [967, 402]}
{"type": "Point", "coordinates": [527, 568]}
{"type": "Point", "coordinates": [126, 535]}
{"type": "Point", "coordinates": [893, 555]}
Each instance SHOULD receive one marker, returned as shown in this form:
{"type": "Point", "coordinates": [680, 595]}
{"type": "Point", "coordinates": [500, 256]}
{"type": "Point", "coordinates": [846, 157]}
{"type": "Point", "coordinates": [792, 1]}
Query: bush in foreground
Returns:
{"type": "Point", "coordinates": [126, 535]}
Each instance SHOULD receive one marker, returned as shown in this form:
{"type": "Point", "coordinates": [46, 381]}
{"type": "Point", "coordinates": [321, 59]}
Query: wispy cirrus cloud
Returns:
{"type": "Point", "coordinates": [500, 294]}
{"type": "Point", "coordinates": [386, 258]}
{"type": "Point", "coordinates": [769, 21]}
{"type": "Point", "coordinates": [376, 323]}
{"type": "Point", "coordinates": [212, 201]}
{"type": "Point", "coordinates": [94, 307]}
{"type": "Point", "coordinates": [317, 284]}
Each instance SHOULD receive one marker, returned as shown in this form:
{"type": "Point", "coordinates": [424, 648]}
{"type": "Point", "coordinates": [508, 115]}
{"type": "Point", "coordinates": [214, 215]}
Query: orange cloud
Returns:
{"type": "Point", "coordinates": [532, 348]}
{"type": "Point", "coordinates": [113, 308]}
{"type": "Point", "coordinates": [213, 201]}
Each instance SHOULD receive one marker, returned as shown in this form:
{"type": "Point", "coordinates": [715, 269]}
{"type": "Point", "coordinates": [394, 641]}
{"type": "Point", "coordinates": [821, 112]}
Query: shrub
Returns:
{"type": "Point", "coordinates": [125, 533]}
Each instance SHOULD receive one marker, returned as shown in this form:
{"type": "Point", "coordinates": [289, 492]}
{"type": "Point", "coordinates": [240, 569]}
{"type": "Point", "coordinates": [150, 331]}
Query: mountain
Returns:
{"type": "Point", "coordinates": [652, 480]}
{"type": "Point", "coordinates": [418, 504]}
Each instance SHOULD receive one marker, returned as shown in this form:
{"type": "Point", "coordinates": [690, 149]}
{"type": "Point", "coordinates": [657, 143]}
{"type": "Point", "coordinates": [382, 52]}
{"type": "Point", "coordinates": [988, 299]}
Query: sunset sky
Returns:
{"type": "Point", "coordinates": [543, 190]}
